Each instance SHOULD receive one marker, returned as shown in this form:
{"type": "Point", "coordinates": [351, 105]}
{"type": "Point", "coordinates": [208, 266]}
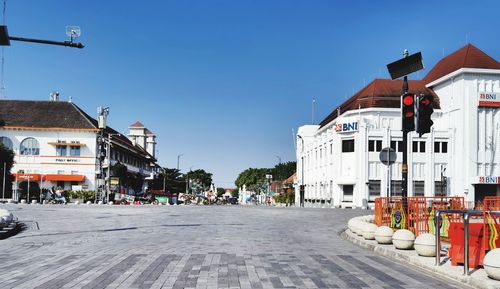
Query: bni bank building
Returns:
{"type": "Point", "coordinates": [338, 161]}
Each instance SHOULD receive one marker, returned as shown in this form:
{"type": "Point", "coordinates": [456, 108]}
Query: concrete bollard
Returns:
{"type": "Point", "coordinates": [425, 245]}
{"type": "Point", "coordinates": [383, 235]}
{"type": "Point", "coordinates": [491, 264]}
{"type": "Point", "coordinates": [403, 239]}
{"type": "Point", "coordinates": [89, 203]}
{"type": "Point", "coordinates": [369, 231]}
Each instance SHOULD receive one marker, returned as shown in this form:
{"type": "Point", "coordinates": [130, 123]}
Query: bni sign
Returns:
{"type": "Point", "coordinates": [346, 127]}
{"type": "Point", "coordinates": [489, 99]}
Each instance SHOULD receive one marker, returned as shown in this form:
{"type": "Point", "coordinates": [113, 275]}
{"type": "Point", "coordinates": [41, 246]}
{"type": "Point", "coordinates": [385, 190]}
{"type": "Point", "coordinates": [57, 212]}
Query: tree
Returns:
{"type": "Point", "coordinates": [200, 178]}
{"type": "Point", "coordinates": [284, 170]}
{"type": "Point", "coordinates": [254, 179]}
{"type": "Point", "coordinates": [7, 157]}
{"type": "Point", "coordinates": [220, 192]}
{"type": "Point", "coordinates": [172, 178]}
{"type": "Point", "coordinates": [235, 193]}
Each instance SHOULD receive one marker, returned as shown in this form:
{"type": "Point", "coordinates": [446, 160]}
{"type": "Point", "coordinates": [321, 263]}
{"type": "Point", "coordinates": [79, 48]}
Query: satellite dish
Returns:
{"type": "Point", "coordinates": [73, 32]}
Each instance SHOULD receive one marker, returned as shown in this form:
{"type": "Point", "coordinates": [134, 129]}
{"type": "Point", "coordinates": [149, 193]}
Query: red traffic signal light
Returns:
{"type": "Point", "coordinates": [408, 112]}
{"type": "Point", "coordinates": [424, 112]}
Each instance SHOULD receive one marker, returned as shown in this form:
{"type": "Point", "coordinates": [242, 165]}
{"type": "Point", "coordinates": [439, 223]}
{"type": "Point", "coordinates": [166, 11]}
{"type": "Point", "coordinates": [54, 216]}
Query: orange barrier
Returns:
{"type": "Point", "coordinates": [419, 216]}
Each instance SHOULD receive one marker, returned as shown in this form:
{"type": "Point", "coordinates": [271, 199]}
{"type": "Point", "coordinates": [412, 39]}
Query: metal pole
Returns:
{"type": "Point", "coordinates": [61, 43]}
{"type": "Point", "coordinates": [165, 179]}
{"type": "Point", "coordinates": [108, 155]}
{"type": "Point", "coordinates": [466, 244]}
{"type": "Point", "coordinates": [437, 217]}
{"type": "Point", "coordinates": [3, 184]}
{"type": "Point", "coordinates": [178, 158]}
{"type": "Point", "coordinates": [404, 167]}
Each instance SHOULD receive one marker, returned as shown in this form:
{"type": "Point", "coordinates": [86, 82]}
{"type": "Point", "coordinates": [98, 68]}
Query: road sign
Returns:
{"type": "Point", "coordinates": [387, 156]}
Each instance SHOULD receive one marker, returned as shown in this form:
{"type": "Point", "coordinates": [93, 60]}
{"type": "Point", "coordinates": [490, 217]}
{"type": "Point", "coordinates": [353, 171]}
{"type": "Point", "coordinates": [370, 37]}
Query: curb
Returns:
{"type": "Point", "coordinates": [477, 278]}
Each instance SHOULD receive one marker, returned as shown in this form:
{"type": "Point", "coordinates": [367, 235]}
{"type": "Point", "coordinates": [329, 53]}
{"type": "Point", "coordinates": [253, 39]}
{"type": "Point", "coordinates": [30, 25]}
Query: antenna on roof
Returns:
{"type": "Point", "coordinates": [313, 108]}
{"type": "Point", "coordinates": [54, 96]}
{"type": "Point", "coordinates": [73, 32]}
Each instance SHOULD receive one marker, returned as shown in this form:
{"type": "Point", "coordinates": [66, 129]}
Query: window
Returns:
{"type": "Point", "coordinates": [374, 145]}
{"type": "Point", "coordinates": [373, 190]}
{"type": "Point", "coordinates": [6, 142]}
{"type": "Point", "coordinates": [396, 188]}
{"type": "Point", "coordinates": [440, 147]}
{"type": "Point", "coordinates": [29, 146]}
{"type": "Point", "coordinates": [397, 146]}
{"type": "Point", "coordinates": [74, 151]}
{"type": "Point", "coordinates": [418, 188]}
{"type": "Point", "coordinates": [348, 146]}
{"type": "Point", "coordinates": [418, 146]}
{"type": "Point", "coordinates": [440, 188]}
{"type": "Point", "coordinates": [61, 151]}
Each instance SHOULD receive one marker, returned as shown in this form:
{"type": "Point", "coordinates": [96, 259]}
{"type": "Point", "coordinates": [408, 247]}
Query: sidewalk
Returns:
{"type": "Point", "coordinates": [477, 277]}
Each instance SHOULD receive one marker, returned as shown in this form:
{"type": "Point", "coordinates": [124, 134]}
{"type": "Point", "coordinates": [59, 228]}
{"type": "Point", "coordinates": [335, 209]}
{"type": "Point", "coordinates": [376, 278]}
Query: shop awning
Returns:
{"type": "Point", "coordinates": [65, 178]}
{"type": "Point", "coordinates": [26, 177]}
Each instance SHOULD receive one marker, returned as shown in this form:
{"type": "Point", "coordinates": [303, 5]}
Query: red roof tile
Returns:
{"type": "Point", "coordinates": [468, 56]}
{"type": "Point", "coordinates": [380, 93]}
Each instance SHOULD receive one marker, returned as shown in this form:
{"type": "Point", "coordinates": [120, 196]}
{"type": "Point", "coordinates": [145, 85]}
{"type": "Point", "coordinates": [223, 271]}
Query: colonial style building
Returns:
{"type": "Point", "coordinates": [55, 145]}
{"type": "Point", "coordinates": [338, 160]}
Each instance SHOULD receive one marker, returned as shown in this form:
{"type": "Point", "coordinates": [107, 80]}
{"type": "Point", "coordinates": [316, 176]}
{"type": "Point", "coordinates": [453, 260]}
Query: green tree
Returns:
{"type": "Point", "coordinates": [284, 170]}
{"type": "Point", "coordinates": [7, 158]}
{"type": "Point", "coordinates": [235, 193]}
{"type": "Point", "coordinates": [172, 178]}
{"type": "Point", "coordinates": [200, 178]}
{"type": "Point", "coordinates": [220, 192]}
{"type": "Point", "coordinates": [254, 179]}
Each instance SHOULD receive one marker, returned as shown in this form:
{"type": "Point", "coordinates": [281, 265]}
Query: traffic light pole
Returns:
{"type": "Point", "coordinates": [404, 167]}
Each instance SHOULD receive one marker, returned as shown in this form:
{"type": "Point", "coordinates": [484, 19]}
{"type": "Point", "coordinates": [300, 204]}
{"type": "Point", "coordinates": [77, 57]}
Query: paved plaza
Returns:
{"type": "Point", "coordinates": [68, 246]}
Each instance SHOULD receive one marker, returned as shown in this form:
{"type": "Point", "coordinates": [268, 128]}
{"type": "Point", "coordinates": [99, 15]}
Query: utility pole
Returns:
{"type": "Point", "coordinates": [404, 166]}
{"type": "Point", "coordinates": [101, 152]}
{"type": "Point", "coordinates": [178, 159]}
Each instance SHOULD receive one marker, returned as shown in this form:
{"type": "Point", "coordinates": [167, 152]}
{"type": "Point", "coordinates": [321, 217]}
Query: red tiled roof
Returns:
{"type": "Point", "coordinates": [380, 93]}
{"type": "Point", "coordinates": [468, 56]}
{"type": "Point", "coordinates": [137, 124]}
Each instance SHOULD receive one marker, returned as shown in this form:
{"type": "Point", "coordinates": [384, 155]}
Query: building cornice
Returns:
{"type": "Point", "coordinates": [462, 71]}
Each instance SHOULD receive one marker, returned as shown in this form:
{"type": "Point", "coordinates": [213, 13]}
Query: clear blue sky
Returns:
{"type": "Point", "coordinates": [224, 82]}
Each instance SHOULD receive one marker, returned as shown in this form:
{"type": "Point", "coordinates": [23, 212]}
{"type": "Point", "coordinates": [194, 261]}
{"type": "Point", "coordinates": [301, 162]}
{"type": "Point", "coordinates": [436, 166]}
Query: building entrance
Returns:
{"type": "Point", "coordinates": [481, 191]}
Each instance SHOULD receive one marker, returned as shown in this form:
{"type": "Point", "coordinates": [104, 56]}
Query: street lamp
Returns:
{"type": "Point", "coordinates": [178, 158]}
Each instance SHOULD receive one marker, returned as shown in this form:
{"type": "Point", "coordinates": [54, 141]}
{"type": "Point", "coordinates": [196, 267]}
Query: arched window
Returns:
{"type": "Point", "coordinates": [6, 142]}
{"type": "Point", "coordinates": [29, 146]}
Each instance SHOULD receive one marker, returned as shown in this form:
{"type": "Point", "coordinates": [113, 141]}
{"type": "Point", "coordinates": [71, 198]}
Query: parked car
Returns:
{"type": "Point", "coordinates": [233, 201]}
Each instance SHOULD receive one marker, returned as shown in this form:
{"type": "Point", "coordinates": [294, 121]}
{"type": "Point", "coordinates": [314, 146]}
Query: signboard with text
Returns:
{"type": "Point", "coordinates": [346, 127]}
{"type": "Point", "coordinates": [489, 99]}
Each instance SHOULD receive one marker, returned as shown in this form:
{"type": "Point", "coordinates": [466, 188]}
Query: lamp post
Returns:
{"type": "Point", "coordinates": [178, 159]}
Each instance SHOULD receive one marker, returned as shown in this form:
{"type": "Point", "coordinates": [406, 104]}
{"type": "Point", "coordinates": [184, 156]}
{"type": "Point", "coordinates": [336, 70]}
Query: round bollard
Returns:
{"type": "Point", "coordinates": [89, 203]}
{"type": "Point", "coordinates": [383, 235]}
{"type": "Point", "coordinates": [403, 239]}
{"type": "Point", "coordinates": [369, 231]}
{"type": "Point", "coordinates": [425, 245]}
{"type": "Point", "coordinates": [357, 226]}
{"type": "Point", "coordinates": [77, 202]}
{"type": "Point", "coordinates": [491, 264]}
{"type": "Point", "coordinates": [100, 203]}
{"type": "Point", "coordinates": [23, 201]}
{"type": "Point", "coordinates": [34, 201]}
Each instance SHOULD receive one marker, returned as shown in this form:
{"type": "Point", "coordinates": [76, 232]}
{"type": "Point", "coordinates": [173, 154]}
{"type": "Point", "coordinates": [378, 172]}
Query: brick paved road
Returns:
{"type": "Point", "coordinates": [192, 247]}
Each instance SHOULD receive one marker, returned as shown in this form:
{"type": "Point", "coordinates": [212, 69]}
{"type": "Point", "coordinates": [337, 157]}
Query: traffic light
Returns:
{"type": "Point", "coordinates": [102, 152]}
{"type": "Point", "coordinates": [408, 112]}
{"type": "Point", "coordinates": [424, 112]}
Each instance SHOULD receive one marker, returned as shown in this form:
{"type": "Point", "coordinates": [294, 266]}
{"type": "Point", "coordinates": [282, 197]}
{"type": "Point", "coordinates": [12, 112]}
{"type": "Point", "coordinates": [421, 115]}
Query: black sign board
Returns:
{"type": "Point", "coordinates": [406, 65]}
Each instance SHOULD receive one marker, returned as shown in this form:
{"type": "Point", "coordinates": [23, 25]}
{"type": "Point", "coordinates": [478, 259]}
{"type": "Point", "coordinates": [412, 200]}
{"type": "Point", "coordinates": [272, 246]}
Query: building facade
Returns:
{"type": "Point", "coordinates": [338, 161]}
{"type": "Point", "coordinates": [55, 145]}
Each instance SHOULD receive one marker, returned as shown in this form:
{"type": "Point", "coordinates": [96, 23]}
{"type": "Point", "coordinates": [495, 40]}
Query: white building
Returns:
{"type": "Point", "coordinates": [338, 160]}
{"type": "Point", "coordinates": [55, 145]}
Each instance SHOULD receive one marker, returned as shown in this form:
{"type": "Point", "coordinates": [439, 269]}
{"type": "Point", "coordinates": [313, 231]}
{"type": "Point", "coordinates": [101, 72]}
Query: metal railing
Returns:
{"type": "Point", "coordinates": [466, 214]}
